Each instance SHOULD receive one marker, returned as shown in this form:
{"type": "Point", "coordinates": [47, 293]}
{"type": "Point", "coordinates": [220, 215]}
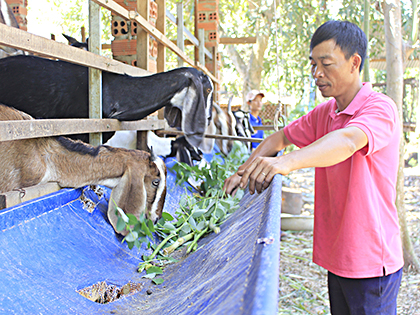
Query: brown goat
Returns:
{"type": "Point", "coordinates": [137, 178]}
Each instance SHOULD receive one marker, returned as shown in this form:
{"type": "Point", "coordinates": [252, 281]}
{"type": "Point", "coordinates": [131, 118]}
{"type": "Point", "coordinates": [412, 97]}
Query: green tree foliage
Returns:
{"type": "Point", "coordinates": [75, 15]}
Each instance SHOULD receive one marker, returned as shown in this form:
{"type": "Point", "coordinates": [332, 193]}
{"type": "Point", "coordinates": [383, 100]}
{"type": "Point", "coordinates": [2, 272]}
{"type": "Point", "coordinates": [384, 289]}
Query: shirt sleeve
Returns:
{"type": "Point", "coordinates": [379, 121]}
{"type": "Point", "coordinates": [303, 131]}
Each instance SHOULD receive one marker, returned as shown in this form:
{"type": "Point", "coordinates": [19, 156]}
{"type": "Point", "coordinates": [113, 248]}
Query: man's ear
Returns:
{"type": "Point", "coordinates": [356, 62]}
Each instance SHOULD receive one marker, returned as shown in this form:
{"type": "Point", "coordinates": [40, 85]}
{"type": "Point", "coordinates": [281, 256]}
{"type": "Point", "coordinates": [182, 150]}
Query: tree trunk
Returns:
{"type": "Point", "coordinates": [394, 87]}
{"type": "Point", "coordinates": [251, 70]}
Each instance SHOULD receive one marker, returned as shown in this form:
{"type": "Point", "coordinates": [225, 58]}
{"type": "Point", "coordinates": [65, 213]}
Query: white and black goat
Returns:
{"type": "Point", "coordinates": [47, 88]}
{"type": "Point", "coordinates": [243, 126]}
{"type": "Point", "coordinates": [225, 124]}
{"type": "Point", "coordinates": [8, 18]}
{"type": "Point", "coordinates": [178, 147]}
{"type": "Point", "coordinates": [137, 178]}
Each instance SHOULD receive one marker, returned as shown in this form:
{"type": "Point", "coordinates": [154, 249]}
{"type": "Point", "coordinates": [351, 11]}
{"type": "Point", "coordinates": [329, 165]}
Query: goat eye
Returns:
{"type": "Point", "coordinates": [155, 182]}
{"type": "Point", "coordinates": [208, 90]}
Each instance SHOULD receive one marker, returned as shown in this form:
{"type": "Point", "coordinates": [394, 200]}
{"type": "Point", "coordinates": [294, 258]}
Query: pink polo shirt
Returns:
{"type": "Point", "coordinates": [356, 230]}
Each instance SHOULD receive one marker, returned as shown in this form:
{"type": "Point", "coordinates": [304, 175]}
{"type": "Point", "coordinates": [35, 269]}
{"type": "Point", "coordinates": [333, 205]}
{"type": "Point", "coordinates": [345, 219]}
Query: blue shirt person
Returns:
{"type": "Point", "coordinates": [254, 100]}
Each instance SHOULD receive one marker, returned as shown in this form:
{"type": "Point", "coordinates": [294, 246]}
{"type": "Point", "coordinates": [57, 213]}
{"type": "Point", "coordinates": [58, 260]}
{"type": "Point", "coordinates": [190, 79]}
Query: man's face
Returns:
{"type": "Point", "coordinates": [330, 69]}
{"type": "Point", "coordinates": [256, 103]}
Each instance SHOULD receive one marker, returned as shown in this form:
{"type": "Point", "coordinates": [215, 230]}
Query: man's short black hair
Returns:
{"type": "Point", "coordinates": [348, 36]}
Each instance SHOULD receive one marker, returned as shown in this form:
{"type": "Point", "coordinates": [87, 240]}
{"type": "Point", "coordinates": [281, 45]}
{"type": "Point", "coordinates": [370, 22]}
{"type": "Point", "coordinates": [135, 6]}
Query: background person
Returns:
{"type": "Point", "coordinates": [352, 140]}
{"type": "Point", "coordinates": [254, 100]}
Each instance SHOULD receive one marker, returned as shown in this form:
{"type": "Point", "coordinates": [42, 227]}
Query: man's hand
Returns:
{"type": "Point", "coordinates": [231, 185]}
{"type": "Point", "coordinates": [261, 172]}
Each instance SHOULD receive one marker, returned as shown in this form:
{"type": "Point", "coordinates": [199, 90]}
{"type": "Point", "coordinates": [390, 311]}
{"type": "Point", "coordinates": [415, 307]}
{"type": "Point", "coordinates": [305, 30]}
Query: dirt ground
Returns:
{"type": "Point", "coordinates": [303, 285]}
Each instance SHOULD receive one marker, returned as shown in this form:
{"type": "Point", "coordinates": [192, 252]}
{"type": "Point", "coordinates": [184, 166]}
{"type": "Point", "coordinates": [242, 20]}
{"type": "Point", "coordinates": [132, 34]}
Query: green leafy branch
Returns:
{"type": "Point", "coordinates": [197, 216]}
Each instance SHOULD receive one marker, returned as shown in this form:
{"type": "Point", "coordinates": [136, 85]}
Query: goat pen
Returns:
{"type": "Point", "coordinates": [56, 245]}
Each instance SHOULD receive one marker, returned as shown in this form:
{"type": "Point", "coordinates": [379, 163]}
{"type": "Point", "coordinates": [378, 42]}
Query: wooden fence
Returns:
{"type": "Point", "coordinates": [23, 40]}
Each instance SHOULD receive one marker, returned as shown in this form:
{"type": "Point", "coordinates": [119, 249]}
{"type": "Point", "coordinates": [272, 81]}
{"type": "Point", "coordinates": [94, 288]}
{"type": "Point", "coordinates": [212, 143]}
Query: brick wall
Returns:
{"type": "Point", "coordinates": [19, 8]}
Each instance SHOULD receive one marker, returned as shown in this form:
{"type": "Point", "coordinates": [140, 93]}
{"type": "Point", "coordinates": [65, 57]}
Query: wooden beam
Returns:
{"type": "Point", "coordinates": [142, 55]}
{"type": "Point", "coordinates": [19, 39]}
{"type": "Point", "coordinates": [26, 129]}
{"type": "Point", "coordinates": [161, 26]}
{"type": "Point", "coordinates": [237, 40]}
{"type": "Point", "coordinates": [12, 198]}
{"type": "Point", "coordinates": [191, 39]}
{"type": "Point", "coordinates": [95, 75]}
{"type": "Point", "coordinates": [180, 31]}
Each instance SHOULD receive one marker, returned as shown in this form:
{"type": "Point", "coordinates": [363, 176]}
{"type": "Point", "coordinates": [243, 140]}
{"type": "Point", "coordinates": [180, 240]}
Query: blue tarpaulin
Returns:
{"type": "Point", "coordinates": [52, 246]}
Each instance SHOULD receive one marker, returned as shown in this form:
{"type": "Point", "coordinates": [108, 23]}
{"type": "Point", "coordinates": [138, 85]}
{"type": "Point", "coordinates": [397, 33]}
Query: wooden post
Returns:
{"type": "Point", "coordinates": [161, 26]}
{"type": "Point", "coordinates": [95, 76]}
{"type": "Point", "coordinates": [214, 70]}
{"type": "Point", "coordinates": [180, 30]}
{"type": "Point", "coordinates": [83, 32]}
{"type": "Point", "coordinates": [201, 40]}
{"type": "Point", "coordinates": [142, 36]}
{"type": "Point", "coordinates": [366, 30]}
{"type": "Point", "coordinates": [197, 34]}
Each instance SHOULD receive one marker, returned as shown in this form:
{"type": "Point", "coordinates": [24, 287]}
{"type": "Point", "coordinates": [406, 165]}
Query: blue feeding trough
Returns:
{"type": "Point", "coordinates": [54, 246]}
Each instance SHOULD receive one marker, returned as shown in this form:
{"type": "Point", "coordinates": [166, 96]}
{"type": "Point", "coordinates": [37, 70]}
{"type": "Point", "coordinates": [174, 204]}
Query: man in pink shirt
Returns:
{"type": "Point", "coordinates": [352, 141]}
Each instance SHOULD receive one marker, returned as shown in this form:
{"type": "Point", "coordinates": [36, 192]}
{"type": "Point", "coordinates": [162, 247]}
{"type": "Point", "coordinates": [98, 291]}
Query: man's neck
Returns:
{"type": "Point", "coordinates": [255, 113]}
{"type": "Point", "coordinates": [344, 100]}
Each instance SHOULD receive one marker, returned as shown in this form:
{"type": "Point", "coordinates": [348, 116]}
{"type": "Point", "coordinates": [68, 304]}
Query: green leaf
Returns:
{"type": "Point", "coordinates": [132, 236]}
{"type": "Point", "coordinates": [130, 245]}
{"type": "Point", "coordinates": [169, 226]}
{"type": "Point", "coordinates": [149, 276]}
{"type": "Point", "coordinates": [198, 213]}
{"type": "Point", "coordinates": [167, 216]}
{"type": "Point", "coordinates": [122, 214]}
{"type": "Point", "coordinates": [155, 269]}
{"type": "Point", "coordinates": [151, 226]}
{"type": "Point", "coordinates": [191, 221]}
{"type": "Point", "coordinates": [120, 224]}
{"type": "Point", "coordinates": [186, 229]}
{"type": "Point", "coordinates": [132, 220]}
{"type": "Point", "coordinates": [201, 225]}
{"type": "Point", "coordinates": [145, 229]}
{"type": "Point", "coordinates": [158, 281]}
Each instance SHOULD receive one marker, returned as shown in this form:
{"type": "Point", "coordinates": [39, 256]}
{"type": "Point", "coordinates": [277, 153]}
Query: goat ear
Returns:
{"type": "Point", "coordinates": [194, 116]}
{"type": "Point", "coordinates": [129, 195]}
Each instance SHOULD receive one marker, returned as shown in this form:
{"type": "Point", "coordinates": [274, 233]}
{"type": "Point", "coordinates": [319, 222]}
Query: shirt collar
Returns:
{"type": "Point", "coordinates": [357, 101]}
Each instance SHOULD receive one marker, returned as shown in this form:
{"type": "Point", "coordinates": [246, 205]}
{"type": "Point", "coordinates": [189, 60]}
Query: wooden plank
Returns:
{"type": "Point", "coordinates": [12, 198]}
{"type": "Point", "coordinates": [201, 57]}
{"type": "Point", "coordinates": [23, 40]}
{"type": "Point", "coordinates": [142, 55]}
{"type": "Point", "coordinates": [237, 40]}
{"type": "Point", "coordinates": [161, 26]}
{"type": "Point", "coordinates": [192, 40]}
{"type": "Point", "coordinates": [149, 28]}
{"type": "Point", "coordinates": [180, 30]}
{"type": "Point", "coordinates": [24, 129]}
{"type": "Point", "coordinates": [264, 127]}
{"type": "Point", "coordinates": [95, 75]}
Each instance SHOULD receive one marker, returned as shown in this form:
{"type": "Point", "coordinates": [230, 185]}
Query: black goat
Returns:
{"type": "Point", "coordinates": [46, 88]}
{"type": "Point", "coordinates": [75, 43]}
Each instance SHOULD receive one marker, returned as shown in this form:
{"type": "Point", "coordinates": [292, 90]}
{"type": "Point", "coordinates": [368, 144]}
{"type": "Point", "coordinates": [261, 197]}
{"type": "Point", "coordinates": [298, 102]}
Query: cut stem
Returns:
{"type": "Point", "coordinates": [180, 241]}
{"type": "Point", "coordinates": [196, 238]}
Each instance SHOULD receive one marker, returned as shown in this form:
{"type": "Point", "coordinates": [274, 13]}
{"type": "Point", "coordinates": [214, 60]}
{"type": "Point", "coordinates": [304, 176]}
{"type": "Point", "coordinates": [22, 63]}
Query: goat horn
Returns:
{"type": "Point", "coordinates": [229, 108]}
{"type": "Point", "coordinates": [153, 156]}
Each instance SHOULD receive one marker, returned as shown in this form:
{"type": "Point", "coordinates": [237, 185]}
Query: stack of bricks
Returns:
{"type": "Point", "coordinates": [124, 45]}
{"type": "Point", "coordinates": [19, 8]}
{"type": "Point", "coordinates": [208, 19]}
